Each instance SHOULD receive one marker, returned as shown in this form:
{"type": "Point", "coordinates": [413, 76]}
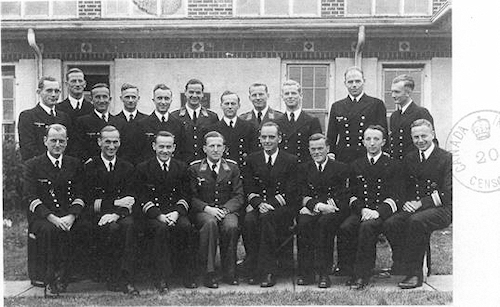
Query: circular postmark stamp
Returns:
{"type": "Point", "coordinates": [474, 143]}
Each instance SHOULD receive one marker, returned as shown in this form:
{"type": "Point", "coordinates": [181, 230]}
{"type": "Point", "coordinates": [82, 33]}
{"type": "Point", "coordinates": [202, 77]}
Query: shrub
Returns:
{"type": "Point", "coordinates": [12, 177]}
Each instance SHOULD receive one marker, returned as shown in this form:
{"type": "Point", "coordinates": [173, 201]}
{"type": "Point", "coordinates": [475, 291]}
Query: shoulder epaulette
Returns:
{"type": "Point", "coordinates": [195, 162]}
{"type": "Point", "coordinates": [386, 154]}
{"type": "Point", "coordinates": [232, 161]}
{"type": "Point", "coordinates": [88, 161]}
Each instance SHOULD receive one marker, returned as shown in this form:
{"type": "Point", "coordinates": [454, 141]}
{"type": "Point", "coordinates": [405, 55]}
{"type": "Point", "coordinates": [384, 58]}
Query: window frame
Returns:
{"type": "Point", "coordinates": [14, 105]}
{"type": "Point", "coordinates": [289, 14]}
{"type": "Point", "coordinates": [130, 11]}
{"type": "Point", "coordinates": [401, 12]}
{"type": "Point", "coordinates": [50, 14]}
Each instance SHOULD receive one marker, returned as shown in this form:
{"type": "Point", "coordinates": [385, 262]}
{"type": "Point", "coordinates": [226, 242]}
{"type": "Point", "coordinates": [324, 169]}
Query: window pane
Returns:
{"type": "Point", "coordinates": [307, 77]}
{"type": "Point", "coordinates": [8, 88]}
{"type": "Point", "coordinates": [276, 7]}
{"type": "Point", "coordinates": [65, 8]}
{"type": "Point", "coordinates": [358, 7]}
{"type": "Point", "coordinates": [8, 110]}
{"type": "Point", "coordinates": [247, 7]}
{"type": "Point", "coordinates": [11, 8]}
{"type": "Point", "coordinates": [305, 7]}
{"type": "Point", "coordinates": [307, 102]}
{"type": "Point", "coordinates": [320, 99]}
{"type": "Point", "coordinates": [416, 7]}
{"type": "Point", "coordinates": [117, 7]}
{"type": "Point", "coordinates": [387, 7]}
{"type": "Point", "coordinates": [38, 8]}
{"type": "Point", "coordinates": [294, 74]}
{"type": "Point", "coordinates": [320, 76]}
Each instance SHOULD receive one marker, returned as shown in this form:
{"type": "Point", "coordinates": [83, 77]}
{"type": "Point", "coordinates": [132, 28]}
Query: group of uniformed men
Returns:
{"type": "Point", "coordinates": [189, 181]}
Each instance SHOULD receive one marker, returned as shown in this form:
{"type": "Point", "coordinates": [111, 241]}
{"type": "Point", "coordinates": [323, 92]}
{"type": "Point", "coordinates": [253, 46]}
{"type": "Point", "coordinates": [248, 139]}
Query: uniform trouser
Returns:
{"type": "Point", "coordinates": [167, 240]}
{"type": "Point", "coordinates": [211, 230]}
{"type": "Point", "coordinates": [409, 234]}
{"type": "Point", "coordinates": [362, 237]}
{"type": "Point", "coordinates": [116, 249]}
{"type": "Point", "coordinates": [262, 233]}
{"type": "Point", "coordinates": [315, 237]}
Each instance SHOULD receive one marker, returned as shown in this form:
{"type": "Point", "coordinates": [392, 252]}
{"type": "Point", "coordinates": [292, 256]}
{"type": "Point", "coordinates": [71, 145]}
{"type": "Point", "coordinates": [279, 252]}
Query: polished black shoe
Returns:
{"type": "Point", "coordinates": [161, 286]}
{"type": "Point", "coordinates": [51, 291]}
{"type": "Point", "coordinates": [253, 280]}
{"type": "Point", "coordinates": [350, 281]}
{"type": "Point", "coordinates": [210, 281]}
{"type": "Point", "coordinates": [190, 283]}
{"type": "Point", "coordinates": [268, 281]}
{"type": "Point", "coordinates": [410, 282]}
{"type": "Point", "coordinates": [341, 271]}
{"type": "Point", "coordinates": [324, 282]}
{"type": "Point", "coordinates": [231, 280]}
{"type": "Point", "coordinates": [359, 284]}
{"type": "Point", "coordinates": [304, 280]}
{"type": "Point", "coordinates": [130, 290]}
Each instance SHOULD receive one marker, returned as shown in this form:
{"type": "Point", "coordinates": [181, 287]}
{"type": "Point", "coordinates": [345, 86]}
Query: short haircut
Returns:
{"type": "Point", "coordinates": [407, 80]}
{"type": "Point", "coordinates": [99, 85]}
{"type": "Point", "coordinates": [226, 93]}
{"type": "Point", "coordinates": [56, 127]}
{"type": "Point", "coordinates": [213, 134]}
{"type": "Point", "coordinates": [292, 82]}
{"type": "Point", "coordinates": [161, 86]}
{"type": "Point", "coordinates": [256, 84]}
{"type": "Point", "coordinates": [376, 127]}
{"type": "Point", "coordinates": [108, 128]}
{"type": "Point", "coordinates": [271, 124]}
{"type": "Point", "coordinates": [73, 70]}
{"type": "Point", "coordinates": [126, 86]}
{"type": "Point", "coordinates": [355, 68]}
{"type": "Point", "coordinates": [195, 81]}
{"type": "Point", "coordinates": [422, 122]}
{"type": "Point", "coordinates": [319, 136]}
{"type": "Point", "coordinates": [41, 82]}
{"type": "Point", "coordinates": [165, 134]}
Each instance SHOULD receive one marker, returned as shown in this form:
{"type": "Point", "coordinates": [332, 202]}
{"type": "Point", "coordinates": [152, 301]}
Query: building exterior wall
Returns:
{"type": "Point", "coordinates": [441, 96]}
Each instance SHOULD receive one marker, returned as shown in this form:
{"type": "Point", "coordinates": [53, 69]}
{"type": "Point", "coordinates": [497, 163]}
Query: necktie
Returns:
{"type": "Point", "coordinates": [270, 162]}
{"type": "Point", "coordinates": [56, 163]}
{"type": "Point", "coordinates": [259, 117]}
{"type": "Point", "coordinates": [194, 117]}
{"type": "Point", "coordinates": [422, 156]}
{"type": "Point", "coordinates": [163, 118]}
{"type": "Point", "coordinates": [214, 173]}
{"type": "Point", "coordinates": [372, 161]}
{"type": "Point", "coordinates": [52, 113]}
{"type": "Point", "coordinates": [110, 166]}
{"type": "Point", "coordinates": [320, 168]}
{"type": "Point", "coordinates": [165, 167]}
{"type": "Point", "coordinates": [79, 105]}
{"type": "Point", "coordinates": [353, 100]}
{"type": "Point", "coordinates": [231, 124]}
{"type": "Point", "coordinates": [292, 117]}
{"type": "Point", "coordinates": [104, 117]}
{"type": "Point", "coordinates": [130, 117]}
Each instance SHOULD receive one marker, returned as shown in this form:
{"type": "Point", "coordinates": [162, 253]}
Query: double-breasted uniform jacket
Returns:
{"type": "Point", "coordinates": [400, 141]}
{"type": "Point", "coordinates": [347, 123]}
{"type": "Point", "coordinates": [225, 191]}
{"type": "Point", "coordinates": [67, 108]}
{"type": "Point", "coordinates": [241, 140]}
{"type": "Point", "coordinates": [276, 186]}
{"type": "Point", "coordinates": [31, 128]}
{"type": "Point", "coordinates": [376, 187]}
{"type": "Point", "coordinates": [295, 136]}
{"type": "Point", "coordinates": [270, 116]}
{"type": "Point", "coordinates": [88, 128]}
{"type": "Point", "coordinates": [429, 181]}
{"type": "Point", "coordinates": [194, 133]}
{"type": "Point", "coordinates": [104, 187]}
{"type": "Point", "coordinates": [161, 192]}
{"type": "Point", "coordinates": [330, 184]}
{"type": "Point", "coordinates": [130, 149]}
{"type": "Point", "coordinates": [48, 189]}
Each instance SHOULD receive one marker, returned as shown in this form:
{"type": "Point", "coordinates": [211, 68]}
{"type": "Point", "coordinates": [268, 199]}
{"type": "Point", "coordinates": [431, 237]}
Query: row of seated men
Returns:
{"type": "Point", "coordinates": [105, 199]}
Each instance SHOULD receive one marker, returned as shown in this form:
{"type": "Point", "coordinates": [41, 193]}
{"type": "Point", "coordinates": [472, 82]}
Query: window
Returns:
{"type": "Point", "coordinates": [35, 9]}
{"type": "Point", "coordinates": [8, 99]}
{"type": "Point", "coordinates": [388, 7]}
{"type": "Point", "coordinates": [94, 73]}
{"type": "Point", "coordinates": [277, 8]}
{"type": "Point", "coordinates": [314, 79]}
{"type": "Point", "coordinates": [391, 71]}
{"type": "Point", "coordinates": [144, 8]}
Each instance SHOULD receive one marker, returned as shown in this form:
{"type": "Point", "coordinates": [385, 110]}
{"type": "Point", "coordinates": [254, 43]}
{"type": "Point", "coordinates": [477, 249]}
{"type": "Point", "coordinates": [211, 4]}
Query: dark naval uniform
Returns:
{"type": "Point", "coordinates": [347, 122]}
{"type": "Point", "coordinates": [270, 116]}
{"type": "Point", "coordinates": [150, 126]}
{"type": "Point", "coordinates": [32, 124]}
{"type": "Point", "coordinates": [50, 190]}
{"type": "Point", "coordinates": [129, 144]}
{"type": "Point", "coordinates": [240, 141]}
{"type": "Point", "coordinates": [66, 107]}
{"type": "Point", "coordinates": [276, 186]}
{"type": "Point", "coordinates": [295, 135]}
{"type": "Point", "coordinates": [316, 231]}
{"type": "Point", "coordinates": [224, 192]}
{"type": "Point", "coordinates": [376, 187]}
{"type": "Point", "coordinates": [409, 233]}
{"type": "Point", "coordinates": [195, 132]}
{"type": "Point", "coordinates": [116, 242]}
{"type": "Point", "coordinates": [400, 139]}
{"type": "Point", "coordinates": [160, 192]}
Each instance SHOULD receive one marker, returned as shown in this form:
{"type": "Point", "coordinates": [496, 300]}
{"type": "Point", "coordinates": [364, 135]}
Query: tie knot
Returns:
{"type": "Point", "coordinates": [372, 161]}
{"type": "Point", "coordinates": [103, 116]}
{"type": "Point", "coordinates": [320, 167]}
{"type": "Point", "coordinates": [292, 117]}
{"type": "Point", "coordinates": [259, 116]}
{"type": "Point", "coordinates": [214, 166]}
{"type": "Point", "coordinates": [130, 117]}
{"type": "Point", "coordinates": [270, 161]}
{"type": "Point", "coordinates": [165, 166]}
{"type": "Point", "coordinates": [56, 163]}
{"type": "Point", "coordinates": [163, 118]}
{"type": "Point", "coordinates": [422, 156]}
{"type": "Point", "coordinates": [231, 123]}
{"type": "Point", "coordinates": [194, 117]}
{"type": "Point", "coordinates": [110, 166]}
{"type": "Point", "coordinates": [52, 113]}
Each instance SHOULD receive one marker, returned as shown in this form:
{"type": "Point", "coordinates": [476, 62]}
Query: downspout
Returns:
{"type": "Point", "coordinates": [359, 47]}
{"type": "Point", "coordinates": [38, 53]}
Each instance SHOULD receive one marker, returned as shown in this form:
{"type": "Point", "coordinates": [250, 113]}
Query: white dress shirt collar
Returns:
{"type": "Point", "coordinates": [264, 112]}
{"type": "Point", "coordinates": [106, 162]}
{"type": "Point", "coordinates": [75, 103]}
{"type": "Point", "coordinates": [161, 163]}
{"type": "Point", "coordinates": [127, 114]}
{"type": "Point", "coordinates": [53, 160]}
{"type": "Point", "coordinates": [47, 109]}
{"type": "Point", "coordinates": [428, 152]}
{"type": "Point", "coordinates": [403, 109]}
{"type": "Point", "coordinates": [273, 156]}
{"type": "Point", "coordinates": [227, 120]}
{"type": "Point", "coordinates": [375, 158]}
{"type": "Point", "coordinates": [296, 113]}
{"type": "Point", "coordinates": [358, 97]}
{"type": "Point", "coordinates": [217, 165]}
{"type": "Point", "coordinates": [159, 115]}
{"type": "Point", "coordinates": [191, 111]}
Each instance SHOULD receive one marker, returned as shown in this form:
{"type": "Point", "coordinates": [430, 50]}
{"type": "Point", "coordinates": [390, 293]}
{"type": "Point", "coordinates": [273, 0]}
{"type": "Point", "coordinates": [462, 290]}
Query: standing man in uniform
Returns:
{"type": "Point", "coordinates": [323, 192]}
{"type": "Point", "coordinates": [163, 188]}
{"type": "Point", "coordinates": [111, 196]}
{"type": "Point", "coordinates": [350, 116]}
{"type": "Point", "coordinates": [33, 122]}
{"type": "Point", "coordinates": [270, 184]}
{"type": "Point", "coordinates": [261, 113]}
{"type": "Point", "coordinates": [427, 198]}
{"type": "Point", "coordinates": [160, 120]}
{"type": "Point", "coordinates": [75, 105]}
{"type": "Point", "coordinates": [217, 197]}
{"type": "Point", "coordinates": [129, 117]}
{"type": "Point", "coordinates": [53, 188]}
{"type": "Point", "coordinates": [296, 125]}
{"type": "Point", "coordinates": [196, 119]}
{"type": "Point", "coordinates": [375, 195]}
{"type": "Point", "coordinates": [240, 135]}
{"type": "Point", "coordinates": [400, 136]}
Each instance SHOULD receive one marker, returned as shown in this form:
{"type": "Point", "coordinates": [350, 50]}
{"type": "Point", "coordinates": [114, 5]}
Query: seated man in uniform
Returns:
{"type": "Point", "coordinates": [217, 197]}
{"type": "Point", "coordinates": [163, 189]}
{"type": "Point", "coordinates": [53, 189]}
{"type": "Point", "coordinates": [111, 196]}
{"type": "Point", "coordinates": [427, 197]}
